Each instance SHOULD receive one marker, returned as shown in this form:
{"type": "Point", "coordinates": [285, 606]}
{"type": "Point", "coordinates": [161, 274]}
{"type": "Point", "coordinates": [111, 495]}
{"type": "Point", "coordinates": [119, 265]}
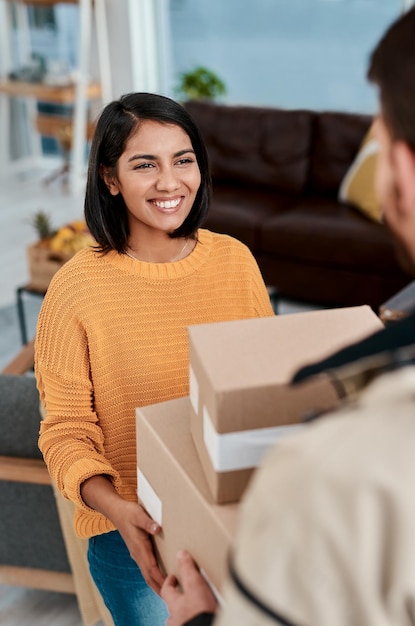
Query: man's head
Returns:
{"type": "Point", "coordinates": [392, 69]}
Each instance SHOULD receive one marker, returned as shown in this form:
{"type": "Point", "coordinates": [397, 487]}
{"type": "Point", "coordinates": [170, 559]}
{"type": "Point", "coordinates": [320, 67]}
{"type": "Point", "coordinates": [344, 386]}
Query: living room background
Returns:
{"type": "Point", "coordinates": [284, 53]}
{"type": "Point", "coordinates": [289, 53]}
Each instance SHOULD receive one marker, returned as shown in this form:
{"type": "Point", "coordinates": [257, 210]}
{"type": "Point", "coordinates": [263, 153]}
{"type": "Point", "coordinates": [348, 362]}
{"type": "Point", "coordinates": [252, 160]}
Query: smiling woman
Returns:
{"type": "Point", "coordinates": [155, 171]}
{"type": "Point", "coordinates": [158, 178]}
{"type": "Point", "coordinates": [121, 311]}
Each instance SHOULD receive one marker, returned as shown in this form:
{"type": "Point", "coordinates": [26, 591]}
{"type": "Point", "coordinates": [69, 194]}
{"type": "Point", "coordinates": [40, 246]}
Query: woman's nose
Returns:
{"type": "Point", "coordinates": [167, 180]}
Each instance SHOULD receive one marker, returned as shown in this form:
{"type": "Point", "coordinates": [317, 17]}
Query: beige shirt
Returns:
{"type": "Point", "coordinates": [327, 534]}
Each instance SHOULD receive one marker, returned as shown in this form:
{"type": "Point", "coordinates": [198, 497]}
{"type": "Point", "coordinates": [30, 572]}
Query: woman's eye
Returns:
{"type": "Point", "coordinates": [185, 161]}
{"type": "Point", "coordinates": [143, 166]}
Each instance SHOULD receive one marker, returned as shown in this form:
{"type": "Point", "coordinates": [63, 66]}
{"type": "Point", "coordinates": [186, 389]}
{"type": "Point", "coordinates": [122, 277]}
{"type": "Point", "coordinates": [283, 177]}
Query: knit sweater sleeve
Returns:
{"type": "Point", "coordinates": [71, 439]}
{"type": "Point", "coordinates": [260, 293]}
{"type": "Point", "coordinates": [248, 266]}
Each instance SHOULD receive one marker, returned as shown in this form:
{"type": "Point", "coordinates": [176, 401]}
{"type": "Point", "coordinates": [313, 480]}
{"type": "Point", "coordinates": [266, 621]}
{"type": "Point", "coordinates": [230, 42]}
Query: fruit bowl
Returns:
{"type": "Point", "coordinates": [47, 255]}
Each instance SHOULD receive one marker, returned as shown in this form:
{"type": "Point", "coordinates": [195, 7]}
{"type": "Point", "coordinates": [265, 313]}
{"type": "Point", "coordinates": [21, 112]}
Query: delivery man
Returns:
{"type": "Point", "coordinates": [327, 525]}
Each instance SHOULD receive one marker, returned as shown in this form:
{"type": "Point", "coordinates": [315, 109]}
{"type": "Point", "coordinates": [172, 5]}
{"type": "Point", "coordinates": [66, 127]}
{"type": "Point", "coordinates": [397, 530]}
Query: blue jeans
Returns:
{"type": "Point", "coordinates": [126, 594]}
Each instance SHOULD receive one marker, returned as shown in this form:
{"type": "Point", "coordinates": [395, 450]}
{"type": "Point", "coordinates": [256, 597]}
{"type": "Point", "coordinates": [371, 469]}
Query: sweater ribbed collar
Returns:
{"type": "Point", "coordinates": [163, 271]}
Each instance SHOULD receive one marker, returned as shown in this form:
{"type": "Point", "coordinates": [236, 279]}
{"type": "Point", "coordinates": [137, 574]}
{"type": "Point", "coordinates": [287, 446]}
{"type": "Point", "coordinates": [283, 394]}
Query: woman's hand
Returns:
{"type": "Point", "coordinates": [137, 528]}
{"type": "Point", "coordinates": [132, 522]}
{"type": "Point", "coordinates": [196, 596]}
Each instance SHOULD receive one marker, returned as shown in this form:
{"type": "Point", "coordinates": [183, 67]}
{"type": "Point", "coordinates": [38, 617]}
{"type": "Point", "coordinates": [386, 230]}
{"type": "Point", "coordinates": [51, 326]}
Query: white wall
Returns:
{"type": "Point", "coordinates": [139, 36]}
{"type": "Point", "coordinates": [119, 40]}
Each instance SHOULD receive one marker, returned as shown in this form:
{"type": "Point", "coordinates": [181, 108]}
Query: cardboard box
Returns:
{"type": "Point", "coordinates": [173, 489]}
{"type": "Point", "coordinates": [241, 401]}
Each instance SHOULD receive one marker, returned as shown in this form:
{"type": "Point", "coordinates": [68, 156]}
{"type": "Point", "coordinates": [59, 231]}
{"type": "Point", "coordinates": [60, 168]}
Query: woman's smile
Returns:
{"type": "Point", "coordinates": [167, 205]}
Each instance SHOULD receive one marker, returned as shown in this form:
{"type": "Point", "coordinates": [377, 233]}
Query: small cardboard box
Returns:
{"type": "Point", "coordinates": [173, 489]}
{"type": "Point", "coordinates": [241, 401]}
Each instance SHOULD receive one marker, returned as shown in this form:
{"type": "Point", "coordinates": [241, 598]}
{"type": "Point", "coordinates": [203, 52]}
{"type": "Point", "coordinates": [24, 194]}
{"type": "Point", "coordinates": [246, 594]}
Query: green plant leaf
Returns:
{"type": "Point", "coordinates": [200, 83]}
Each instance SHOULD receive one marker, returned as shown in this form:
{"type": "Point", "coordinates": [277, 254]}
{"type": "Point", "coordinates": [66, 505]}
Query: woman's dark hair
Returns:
{"type": "Point", "coordinates": [392, 69]}
{"type": "Point", "coordinates": [106, 215]}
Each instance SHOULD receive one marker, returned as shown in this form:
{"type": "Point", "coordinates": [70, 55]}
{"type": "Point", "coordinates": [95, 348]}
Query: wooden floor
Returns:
{"type": "Point", "coordinates": [29, 607]}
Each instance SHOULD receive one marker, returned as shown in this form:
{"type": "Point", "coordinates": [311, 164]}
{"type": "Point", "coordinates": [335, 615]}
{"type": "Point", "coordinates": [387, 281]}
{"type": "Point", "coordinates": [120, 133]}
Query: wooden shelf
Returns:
{"type": "Point", "coordinates": [47, 93]}
{"type": "Point", "coordinates": [74, 132]}
{"type": "Point", "coordinates": [56, 125]}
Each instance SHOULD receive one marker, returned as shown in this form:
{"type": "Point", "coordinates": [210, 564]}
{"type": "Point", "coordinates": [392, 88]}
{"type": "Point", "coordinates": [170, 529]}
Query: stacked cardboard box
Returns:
{"type": "Point", "coordinates": [241, 401]}
{"type": "Point", "coordinates": [173, 489]}
{"type": "Point", "coordinates": [196, 455]}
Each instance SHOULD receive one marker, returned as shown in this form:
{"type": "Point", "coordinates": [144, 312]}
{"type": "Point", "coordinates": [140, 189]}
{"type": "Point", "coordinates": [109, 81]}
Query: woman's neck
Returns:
{"type": "Point", "coordinates": [162, 252]}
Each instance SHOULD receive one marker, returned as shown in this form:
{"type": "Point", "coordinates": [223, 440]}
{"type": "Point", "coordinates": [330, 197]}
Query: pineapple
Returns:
{"type": "Point", "coordinates": [65, 240]}
{"type": "Point", "coordinates": [42, 224]}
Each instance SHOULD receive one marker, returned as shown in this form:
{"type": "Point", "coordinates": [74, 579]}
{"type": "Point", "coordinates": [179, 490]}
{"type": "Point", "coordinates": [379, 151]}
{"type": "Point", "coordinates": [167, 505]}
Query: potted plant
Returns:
{"type": "Point", "coordinates": [200, 84]}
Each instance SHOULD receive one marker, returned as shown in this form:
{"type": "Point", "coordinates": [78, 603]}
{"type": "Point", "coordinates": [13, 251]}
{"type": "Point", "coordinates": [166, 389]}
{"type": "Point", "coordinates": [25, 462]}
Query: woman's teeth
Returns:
{"type": "Point", "coordinates": [168, 204]}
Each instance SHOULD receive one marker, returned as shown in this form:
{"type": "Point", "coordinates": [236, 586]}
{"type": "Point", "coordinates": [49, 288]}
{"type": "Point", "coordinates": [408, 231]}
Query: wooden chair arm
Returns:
{"type": "Point", "coordinates": [24, 470]}
{"type": "Point", "coordinates": [38, 579]}
{"type": "Point", "coordinates": [23, 361]}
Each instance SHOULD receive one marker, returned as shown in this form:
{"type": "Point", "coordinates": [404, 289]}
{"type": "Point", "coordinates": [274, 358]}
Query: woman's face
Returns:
{"type": "Point", "coordinates": [158, 177]}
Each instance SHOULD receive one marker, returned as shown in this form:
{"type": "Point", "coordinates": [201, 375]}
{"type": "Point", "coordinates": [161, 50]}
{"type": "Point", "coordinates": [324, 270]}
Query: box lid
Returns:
{"type": "Point", "coordinates": [248, 353]}
{"type": "Point", "coordinates": [240, 370]}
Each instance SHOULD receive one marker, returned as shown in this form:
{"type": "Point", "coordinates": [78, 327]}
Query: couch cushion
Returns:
{"type": "Point", "coordinates": [19, 416]}
{"type": "Point", "coordinates": [29, 520]}
{"type": "Point", "coordinates": [358, 186]}
{"type": "Point", "coordinates": [337, 137]}
{"type": "Point", "coordinates": [254, 145]}
{"type": "Point", "coordinates": [329, 285]}
{"type": "Point", "coordinates": [240, 211]}
{"type": "Point", "coordinates": [322, 231]}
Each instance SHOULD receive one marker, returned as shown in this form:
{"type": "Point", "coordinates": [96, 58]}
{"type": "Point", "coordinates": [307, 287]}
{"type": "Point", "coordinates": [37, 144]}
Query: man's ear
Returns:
{"type": "Point", "coordinates": [404, 165]}
{"type": "Point", "coordinates": [109, 180]}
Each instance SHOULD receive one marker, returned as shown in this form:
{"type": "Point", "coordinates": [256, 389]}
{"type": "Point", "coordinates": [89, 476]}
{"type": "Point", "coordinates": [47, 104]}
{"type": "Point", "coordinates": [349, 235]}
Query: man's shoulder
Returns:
{"type": "Point", "coordinates": [365, 440]}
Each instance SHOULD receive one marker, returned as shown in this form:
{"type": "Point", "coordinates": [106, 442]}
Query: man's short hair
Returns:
{"type": "Point", "coordinates": [392, 69]}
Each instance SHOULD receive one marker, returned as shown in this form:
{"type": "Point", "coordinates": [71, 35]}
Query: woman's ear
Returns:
{"type": "Point", "coordinates": [404, 166]}
{"type": "Point", "coordinates": [109, 180]}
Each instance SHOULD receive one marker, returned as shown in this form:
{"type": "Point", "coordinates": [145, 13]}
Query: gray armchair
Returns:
{"type": "Point", "coordinates": [32, 549]}
{"type": "Point", "coordinates": [38, 547]}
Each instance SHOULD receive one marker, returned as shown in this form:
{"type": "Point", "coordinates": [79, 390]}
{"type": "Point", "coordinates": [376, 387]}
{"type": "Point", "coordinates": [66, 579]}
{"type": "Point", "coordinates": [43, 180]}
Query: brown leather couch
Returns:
{"type": "Point", "coordinates": [276, 175]}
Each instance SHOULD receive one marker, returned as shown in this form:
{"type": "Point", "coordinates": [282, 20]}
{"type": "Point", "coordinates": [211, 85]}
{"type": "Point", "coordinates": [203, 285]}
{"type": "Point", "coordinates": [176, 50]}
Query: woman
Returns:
{"type": "Point", "coordinates": [112, 336]}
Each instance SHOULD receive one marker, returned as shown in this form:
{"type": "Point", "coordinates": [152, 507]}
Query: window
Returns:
{"type": "Point", "coordinates": [288, 53]}
{"type": "Point", "coordinates": [42, 17]}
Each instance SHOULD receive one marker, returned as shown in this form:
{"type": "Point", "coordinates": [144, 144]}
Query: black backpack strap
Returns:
{"type": "Point", "coordinates": [253, 599]}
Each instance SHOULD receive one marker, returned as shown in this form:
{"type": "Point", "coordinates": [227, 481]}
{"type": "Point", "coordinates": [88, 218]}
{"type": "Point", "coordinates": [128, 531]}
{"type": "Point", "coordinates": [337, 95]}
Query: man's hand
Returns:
{"type": "Point", "coordinates": [196, 596]}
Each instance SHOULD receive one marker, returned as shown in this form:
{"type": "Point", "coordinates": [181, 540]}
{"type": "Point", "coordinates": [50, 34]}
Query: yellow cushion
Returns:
{"type": "Point", "coordinates": [358, 186]}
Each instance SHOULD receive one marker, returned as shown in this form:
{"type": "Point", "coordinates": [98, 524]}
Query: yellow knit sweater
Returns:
{"type": "Point", "coordinates": [112, 336]}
